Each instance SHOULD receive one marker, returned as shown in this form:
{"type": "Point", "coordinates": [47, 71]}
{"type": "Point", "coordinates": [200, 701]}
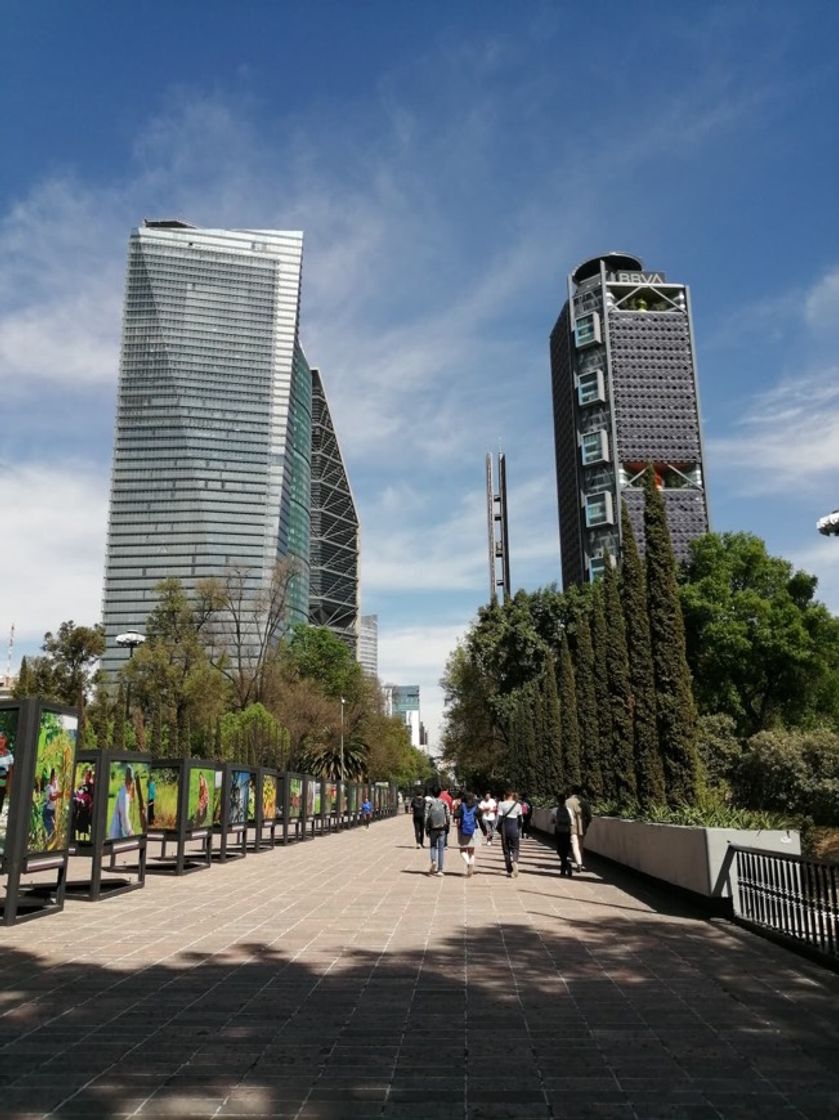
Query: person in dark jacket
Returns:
{"type": "Point", "coordinates": [562, 820]}
{"type": "Point", "coordinates": [417, 810]}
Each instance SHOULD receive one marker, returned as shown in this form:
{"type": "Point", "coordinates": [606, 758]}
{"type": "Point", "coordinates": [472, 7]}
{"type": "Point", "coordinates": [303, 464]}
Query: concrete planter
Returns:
{"type": "Point", "coordinates": [687, 856]}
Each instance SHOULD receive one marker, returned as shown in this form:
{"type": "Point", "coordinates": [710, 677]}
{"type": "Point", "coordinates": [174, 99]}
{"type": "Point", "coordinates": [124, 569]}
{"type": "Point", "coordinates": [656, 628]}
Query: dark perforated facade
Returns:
{"type": "Point", "coordinates": [623, 373]}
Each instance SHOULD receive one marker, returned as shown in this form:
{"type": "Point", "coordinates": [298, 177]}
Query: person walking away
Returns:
{"type": "Point", "coordinates": [467, 815]}
{"type": "Point", "coordinates": [366, 811]}
{"type": "Point", "coordinates": [488, 808]}
{"type": "Point", "coordinates": [417, 810]}
{"type": "Point", "coordinates": [509, 812]}
{"type": "Point", "coordinates": [447, 798]}
{"type": "Point", "coordinates": [526, 814]}
{"type": "Point", "coordinates": [562, 821]}
{"type": "Point", "coordinates": [574, 805]}
{"type": "Point", "coordinates": [437, 822]}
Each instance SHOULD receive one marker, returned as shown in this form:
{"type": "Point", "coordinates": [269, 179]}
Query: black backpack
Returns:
{"type": "Point", "coordinates": [418, 805]}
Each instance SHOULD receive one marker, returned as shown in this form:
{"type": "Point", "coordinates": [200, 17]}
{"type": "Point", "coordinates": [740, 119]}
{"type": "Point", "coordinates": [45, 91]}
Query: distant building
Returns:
{"type": "Point", "coordinates": [403, 700]}
{"type": "Point", "coordinates": [623, 372]}
{"type": "Point", "coordinates": [368, 644]}
{"type": "Point", "coordinates": [224, 450]}
{"type": "Point", "coordinates": [334, 551]}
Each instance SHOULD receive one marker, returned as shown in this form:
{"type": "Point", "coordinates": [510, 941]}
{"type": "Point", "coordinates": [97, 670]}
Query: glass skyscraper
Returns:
{"type": "Point", "coordinates": [212, 453]}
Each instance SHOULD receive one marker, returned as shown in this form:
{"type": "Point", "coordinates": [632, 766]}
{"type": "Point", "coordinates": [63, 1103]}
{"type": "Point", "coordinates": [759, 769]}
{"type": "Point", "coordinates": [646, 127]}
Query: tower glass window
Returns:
{"type": "Point", "coordinates": [590, 387]}
{"type": "Point", "coordinates": [594, 447]}
{"type": "Point", "coordinates": [599, 509]}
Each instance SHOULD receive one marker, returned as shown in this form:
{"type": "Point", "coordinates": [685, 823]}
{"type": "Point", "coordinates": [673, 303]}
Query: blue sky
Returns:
{"type": "Point", "coordinates": [449, 164]}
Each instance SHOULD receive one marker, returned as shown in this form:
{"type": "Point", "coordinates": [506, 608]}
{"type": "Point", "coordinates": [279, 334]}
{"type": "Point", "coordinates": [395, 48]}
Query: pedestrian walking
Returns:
{"type": "Point", "coordinates": [366, 811]}
{"type": "Point", "coordinates": [562, 822]}
{"type": "Point", "coordinates": [417, 811]}
{"type": "Point", "coordinates": [509, 812]}
{"type": "Point", "coordinates": [488, 808]}
{"type": "Point", "coordinates": [580, 820]}
{"type": "Point", "coordinates": [437, 821]}
{"type": "Point", "coordinates": [526, 814]}
{"type": "Point", "coordinates": [466, 817]}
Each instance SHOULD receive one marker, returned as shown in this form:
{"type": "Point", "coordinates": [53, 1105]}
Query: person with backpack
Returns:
{"type": "Point", "coordinates": [580, 812]}
{"type": "Point", "coordinates": [562, 820]}
{"type": "Point", "coordinates": [509, 812]}
{"type": "Point", "coordinates": [437, 822]}
{"type": "Point", "coordinates": [417, 810]}
{"type": "Point", "coordinates": [467, 816]}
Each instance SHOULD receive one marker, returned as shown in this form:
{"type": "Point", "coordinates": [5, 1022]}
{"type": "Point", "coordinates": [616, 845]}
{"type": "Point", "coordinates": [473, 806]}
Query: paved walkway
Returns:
{"type": "Point", "coordinates": [334, 979]}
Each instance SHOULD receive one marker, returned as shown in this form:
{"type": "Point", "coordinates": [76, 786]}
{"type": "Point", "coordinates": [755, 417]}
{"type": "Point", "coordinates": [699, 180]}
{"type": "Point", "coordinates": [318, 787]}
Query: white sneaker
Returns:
{"type": "Point", "coordinates": [440, 874]}
{"type": "Point", "coordinates": [432, 869]}
{"type": "Point", "coordinates": [515, 871]}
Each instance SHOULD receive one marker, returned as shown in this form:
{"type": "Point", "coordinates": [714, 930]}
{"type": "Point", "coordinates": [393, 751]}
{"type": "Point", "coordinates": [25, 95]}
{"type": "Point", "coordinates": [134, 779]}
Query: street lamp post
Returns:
{"type": "Point", "coordinates": [343, 702]}
{"type": "Point", "coordinates": [129, 640]}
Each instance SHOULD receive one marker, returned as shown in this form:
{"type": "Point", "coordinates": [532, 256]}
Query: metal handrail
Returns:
{"type": "Point", "coordinates": [794, 897]}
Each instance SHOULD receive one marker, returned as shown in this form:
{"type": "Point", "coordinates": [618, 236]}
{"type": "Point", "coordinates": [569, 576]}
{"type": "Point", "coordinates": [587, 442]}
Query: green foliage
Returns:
{"type": "Point", "coordinates": [570, 728]}
{"type": "Point", "coordinates": [319, 655]}
{"type": "Point", "coordinates": [600, 641]}
{"type": "Point", "coordinates": [587, 718]}
{"type": "Point", "coordinates": [621, 760]}
{"type": "Point", "coordinates": [709, 811]}
{"type": "Point", "coordinates": [762, 650]}
{"type": "Point", "coordinates": [553, 763]}
{"type": "Point", "coordinates": [254, 738]}
{"type": "Point", "coordinates": [791, 771]}
{"type": "Point", "coordinates": [676, 712]}
{"type": "Point", "coordinates": [719, 750]}
{"type": "Point", "coordinates": [649, 768]}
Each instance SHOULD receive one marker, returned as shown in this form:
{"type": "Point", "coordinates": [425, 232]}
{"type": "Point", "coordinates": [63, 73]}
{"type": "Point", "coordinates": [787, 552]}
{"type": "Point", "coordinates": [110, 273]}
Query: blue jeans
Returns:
{"type": "Point", "coordinates": [437, 843]}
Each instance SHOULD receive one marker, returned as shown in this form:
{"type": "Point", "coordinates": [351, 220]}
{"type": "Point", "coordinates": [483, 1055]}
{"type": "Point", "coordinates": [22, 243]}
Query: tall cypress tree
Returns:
{"type": "Point", "coordinates": [599, 637]}
{"type": "Point", "coordinates": [554, 764]}
{"type": "Point", "coordinates": [592, 779]}
{"type": "Point", "coordinates": [527, 781]}
{"type": "Point", "coordinates": [568, 715]}
{"type": "Point", "coordinates": [620, 692]}
{"type": "Point", "coordinates": [649, 768]}
{"type": "Point", "coordinates": [676, 711]}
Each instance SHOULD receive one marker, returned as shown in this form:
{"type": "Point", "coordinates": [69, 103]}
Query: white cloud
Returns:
{"type": "Point", "coordinates": [821, 307]}
{"type": "Point", "coordinates": [52, 558]}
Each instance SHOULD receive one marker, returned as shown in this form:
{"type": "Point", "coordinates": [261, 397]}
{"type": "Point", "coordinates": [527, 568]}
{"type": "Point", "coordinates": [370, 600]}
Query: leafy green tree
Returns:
{"type": "Point", "coordinates": [472, 742]}
{"type": "Point", "coordinates": [66, 671]}
{"type": "Point", "coordinates": [649, 768]}
{"type": "Point", "coordinates": [252, 736]}
{"type": "Point", "coordinates": [676, 711]}
{"type": "Point", "coordinates": [620, 692]}
{"type": "Point", "coordinates": [170, 673]}
{"type": "Point", "coordinates": [762, 649]}
{"type": "Point", "coordinates": [568, 716]}
{"type": "Point", "coordinates": [317, 654]}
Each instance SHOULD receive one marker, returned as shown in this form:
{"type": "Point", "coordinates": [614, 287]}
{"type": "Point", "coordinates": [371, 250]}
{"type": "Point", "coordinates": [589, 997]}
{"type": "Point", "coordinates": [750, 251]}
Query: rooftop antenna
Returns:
{"type": "Point", "coordinates": [9, 658]}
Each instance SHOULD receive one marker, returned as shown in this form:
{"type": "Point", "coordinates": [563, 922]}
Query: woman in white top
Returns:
{"type": "Point", "coordinates": [120, 825]}
{"type": "Point", "coordinates": [488, 809]}
{"type": "Point", "coordinates": [509, 812]}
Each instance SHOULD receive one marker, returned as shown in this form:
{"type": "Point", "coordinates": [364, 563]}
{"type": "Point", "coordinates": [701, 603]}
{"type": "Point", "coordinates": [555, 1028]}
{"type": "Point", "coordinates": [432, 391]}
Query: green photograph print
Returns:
{"type": "Point", "coordinates": [310, 798]}
{"type": "Point", "coordinates": [49, 822]}
{"type": "Point", "coordinates": [81, 805]}
{"type": "Point", "coordinates": [352, 798]}
{"type": "Point", "coordinates": [128, 799]}
{"type": "Point", "coordinates": [252, 797]}
{"type": "Point", "coordinates": [240, 785]}
{"type": "Point", "coordinates": [8, 742]}
{"type": "Point", "coordinates": [331, 794]}
{"type": "Point", "coordinates": [198, 807]}
{"type": "Point", "coordinates": [295, 797]}
{"type": "Point", "coordinates": [218, 797]}
{"type": "Point", "coordinates": [316, 801]}
{"type": "Point", "coordinates": [164, 787]}
{"type": "Point", "coordinates": [269, 797]}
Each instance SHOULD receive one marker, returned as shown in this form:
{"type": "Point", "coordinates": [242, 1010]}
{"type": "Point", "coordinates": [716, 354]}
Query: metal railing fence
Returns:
{"type": "Point", "coordinates": [790, 896]}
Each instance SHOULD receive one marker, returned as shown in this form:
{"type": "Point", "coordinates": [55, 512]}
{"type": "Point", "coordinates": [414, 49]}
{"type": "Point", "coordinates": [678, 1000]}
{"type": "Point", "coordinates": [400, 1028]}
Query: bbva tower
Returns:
{"type": "Point", "coordinates": [224, 449]}
{"type": "Point", "coordinates": [625, 394]}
